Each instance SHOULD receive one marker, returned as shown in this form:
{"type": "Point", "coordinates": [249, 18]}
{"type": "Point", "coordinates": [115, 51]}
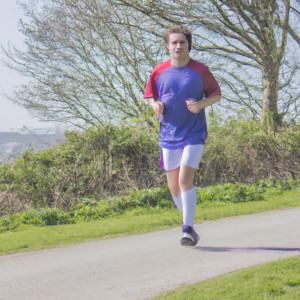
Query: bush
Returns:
{"type": "Point", "coordinates": [146, 201]}
{"type": "Point", "coordinates": [98, 163]}
{"type": "Point", "coordinates": [237, 150]}
{"type": "Point", "coordinates": [112, 161]}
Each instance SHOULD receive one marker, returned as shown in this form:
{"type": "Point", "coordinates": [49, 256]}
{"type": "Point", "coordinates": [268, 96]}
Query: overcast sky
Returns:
{"type": "Point", "coordinates": [11, 115]}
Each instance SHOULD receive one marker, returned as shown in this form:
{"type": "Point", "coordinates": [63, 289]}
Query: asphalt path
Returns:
{"type": "Point", "coordinates": [142, 266]}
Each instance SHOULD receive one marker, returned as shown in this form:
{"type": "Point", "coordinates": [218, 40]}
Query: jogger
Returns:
{"type": "Point", "coordinates": [175, 91]}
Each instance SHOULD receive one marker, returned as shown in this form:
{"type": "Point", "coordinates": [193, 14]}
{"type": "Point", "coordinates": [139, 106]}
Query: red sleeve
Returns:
{"type": "Point", "coordinates": [151, 89]}
{"type": "Point", "coordinates": [211, 86]}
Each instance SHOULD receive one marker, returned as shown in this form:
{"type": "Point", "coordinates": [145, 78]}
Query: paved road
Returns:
{"type": "Point", "coordinates": [142, 266]}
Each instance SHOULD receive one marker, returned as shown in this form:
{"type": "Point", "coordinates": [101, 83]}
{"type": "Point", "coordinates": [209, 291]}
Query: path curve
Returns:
{"type": "Point", "coordinates": [142, 266]}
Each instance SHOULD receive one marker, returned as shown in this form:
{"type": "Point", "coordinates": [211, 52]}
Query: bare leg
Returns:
{"type": "Point", "coordinates": [173, 181]}
{"type": "Point", "coordinates": [181, 177]}
{"type": "Point", "coordinates": [186, 177]}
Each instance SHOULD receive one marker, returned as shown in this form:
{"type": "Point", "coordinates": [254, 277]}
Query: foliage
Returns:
{"type": "Point", "coordinates": [145, 202]}
{"type": "Point", "coordinates": [115, 160]}
{"type": "Point", "coordinates": [97, 163]}
{"type": "Point", "coordinates": [238, 150]}
{"type": "Point", "coordinates": [41, 217]}
{"type": "Point", "coordinates": [236, 193]}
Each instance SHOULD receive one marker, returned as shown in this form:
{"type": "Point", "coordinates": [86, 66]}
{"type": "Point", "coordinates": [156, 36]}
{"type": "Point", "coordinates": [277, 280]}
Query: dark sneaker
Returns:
{"type": "Point", "coordinates": [189, 236]}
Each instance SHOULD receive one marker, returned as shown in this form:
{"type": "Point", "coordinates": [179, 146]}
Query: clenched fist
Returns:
{"type": "Point", "coordinates": [193, 106]}
{"type": "Point", "coordinates": [158, 108]}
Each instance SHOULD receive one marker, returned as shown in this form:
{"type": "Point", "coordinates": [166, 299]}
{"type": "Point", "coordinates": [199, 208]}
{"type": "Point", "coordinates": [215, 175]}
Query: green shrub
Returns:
{"type": "Point", "coordinates": [275, 187]}
{"type": "Point", "coordinates": [145, 202]}
{"type": "Point", "coordinates": [114, 160]}
{"type": "Point", "coordinates": [238, 150]}
{"type": "Point", "coordinates": [232, 193]}
{"type": "Point", "coordinates": [100, 162]}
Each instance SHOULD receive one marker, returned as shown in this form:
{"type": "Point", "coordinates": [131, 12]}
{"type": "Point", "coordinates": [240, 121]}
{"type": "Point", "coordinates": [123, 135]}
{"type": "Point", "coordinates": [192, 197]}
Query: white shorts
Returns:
{"type": "Point", "coordinates": [189, 156]}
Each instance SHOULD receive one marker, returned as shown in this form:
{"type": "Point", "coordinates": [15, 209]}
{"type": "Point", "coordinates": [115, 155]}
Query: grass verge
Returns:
{"type": "Point", "coordinates": [29, 238]}
{"type": "Point", "coordinates": [275, 280]}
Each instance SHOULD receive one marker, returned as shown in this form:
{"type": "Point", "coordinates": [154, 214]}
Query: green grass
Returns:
{"type": "Point", "coordinates": [275, 280]}
{"type": "Point", "coordinates": [28, 238]}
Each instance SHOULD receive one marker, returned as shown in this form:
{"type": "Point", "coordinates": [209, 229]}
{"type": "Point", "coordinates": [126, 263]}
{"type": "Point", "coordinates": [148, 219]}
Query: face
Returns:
{"type": "Point", "coordinates": [178, 46]}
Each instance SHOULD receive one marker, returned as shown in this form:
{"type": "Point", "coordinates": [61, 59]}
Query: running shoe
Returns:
{"type": "Point", "coordinates": [189, 236]}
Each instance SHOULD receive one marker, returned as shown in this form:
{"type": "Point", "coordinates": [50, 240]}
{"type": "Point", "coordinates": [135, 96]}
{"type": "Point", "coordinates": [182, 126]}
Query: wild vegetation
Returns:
{"type": "Point", "coordinates": [147, 202]}
{"type": "Point", "coordinates": [113, 161]}
{"type": "Point", "coordinates": [89, 63]}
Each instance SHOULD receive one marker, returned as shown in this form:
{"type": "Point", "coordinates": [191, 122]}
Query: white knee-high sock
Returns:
{"type": "Point", "coordinates": [177, 200]}
{"type": "Point", "coordinates": [189, 202]}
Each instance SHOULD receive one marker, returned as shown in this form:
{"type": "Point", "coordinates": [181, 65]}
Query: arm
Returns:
{"type": "Point", "coordinates": [212, 91]}
{"type": "Point", "coordinates": [157, 106]}
{"type": "Point", "coordinates": [197, 106]}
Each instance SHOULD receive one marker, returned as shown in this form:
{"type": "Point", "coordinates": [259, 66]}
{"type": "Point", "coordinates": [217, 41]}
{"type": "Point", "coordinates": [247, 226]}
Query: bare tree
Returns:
{"type": "Point", "coordinates": [253, 34]}
{"type": "Point", "coordinates": [86, 60]}
{"type": "Point", "coordinates": [90, 60]}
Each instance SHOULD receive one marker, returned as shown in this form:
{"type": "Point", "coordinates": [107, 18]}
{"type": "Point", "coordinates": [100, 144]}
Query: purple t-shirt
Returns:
{"type": "Point", "coordinates": [180, 127]}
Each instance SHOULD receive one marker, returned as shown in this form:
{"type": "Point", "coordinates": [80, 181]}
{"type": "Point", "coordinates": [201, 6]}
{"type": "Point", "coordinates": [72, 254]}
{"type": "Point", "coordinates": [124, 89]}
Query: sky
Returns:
{"type": "Point", "coordinates": [12, 116]}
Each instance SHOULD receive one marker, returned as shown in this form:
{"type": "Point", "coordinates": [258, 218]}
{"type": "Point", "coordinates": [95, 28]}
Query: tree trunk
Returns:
{"type": "Point", "coordinates": [270, 116]}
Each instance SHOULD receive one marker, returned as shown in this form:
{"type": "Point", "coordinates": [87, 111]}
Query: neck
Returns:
{"type": "Point", "coordinates": [179, 63]}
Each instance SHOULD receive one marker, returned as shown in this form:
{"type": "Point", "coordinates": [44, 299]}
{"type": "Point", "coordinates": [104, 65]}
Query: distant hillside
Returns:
{"type": "Point", "coordinates": [13, 143]}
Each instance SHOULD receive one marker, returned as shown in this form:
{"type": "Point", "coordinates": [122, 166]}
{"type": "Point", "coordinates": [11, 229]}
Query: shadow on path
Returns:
{"type": "Point", "coordinates": [228, 249]}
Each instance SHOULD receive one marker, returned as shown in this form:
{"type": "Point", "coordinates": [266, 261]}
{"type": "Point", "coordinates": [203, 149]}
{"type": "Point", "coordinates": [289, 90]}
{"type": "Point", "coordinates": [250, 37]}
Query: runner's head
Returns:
{"type": "Point", "coordinates": [180, 30]}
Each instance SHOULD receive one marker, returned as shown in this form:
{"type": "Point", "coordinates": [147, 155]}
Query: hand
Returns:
{"type": "Point", "coordinates": [158, 108]}
{"type": "Point", "coordinates": [193, 106]}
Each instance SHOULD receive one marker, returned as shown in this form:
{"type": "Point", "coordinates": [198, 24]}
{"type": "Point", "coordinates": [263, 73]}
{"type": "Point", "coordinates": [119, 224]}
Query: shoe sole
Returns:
{"type": "Point", "coordinates": [186, 242]}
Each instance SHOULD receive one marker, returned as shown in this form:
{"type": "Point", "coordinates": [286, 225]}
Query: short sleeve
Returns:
{"type": "Point", "coordinates": [151, 89]}
{"type": "Point", "coordinates": [211, 86]}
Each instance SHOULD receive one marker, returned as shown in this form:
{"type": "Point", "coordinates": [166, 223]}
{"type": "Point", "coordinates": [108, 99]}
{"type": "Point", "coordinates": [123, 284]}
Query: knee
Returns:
{"type": "Point", "coordinates": [183, 182]}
